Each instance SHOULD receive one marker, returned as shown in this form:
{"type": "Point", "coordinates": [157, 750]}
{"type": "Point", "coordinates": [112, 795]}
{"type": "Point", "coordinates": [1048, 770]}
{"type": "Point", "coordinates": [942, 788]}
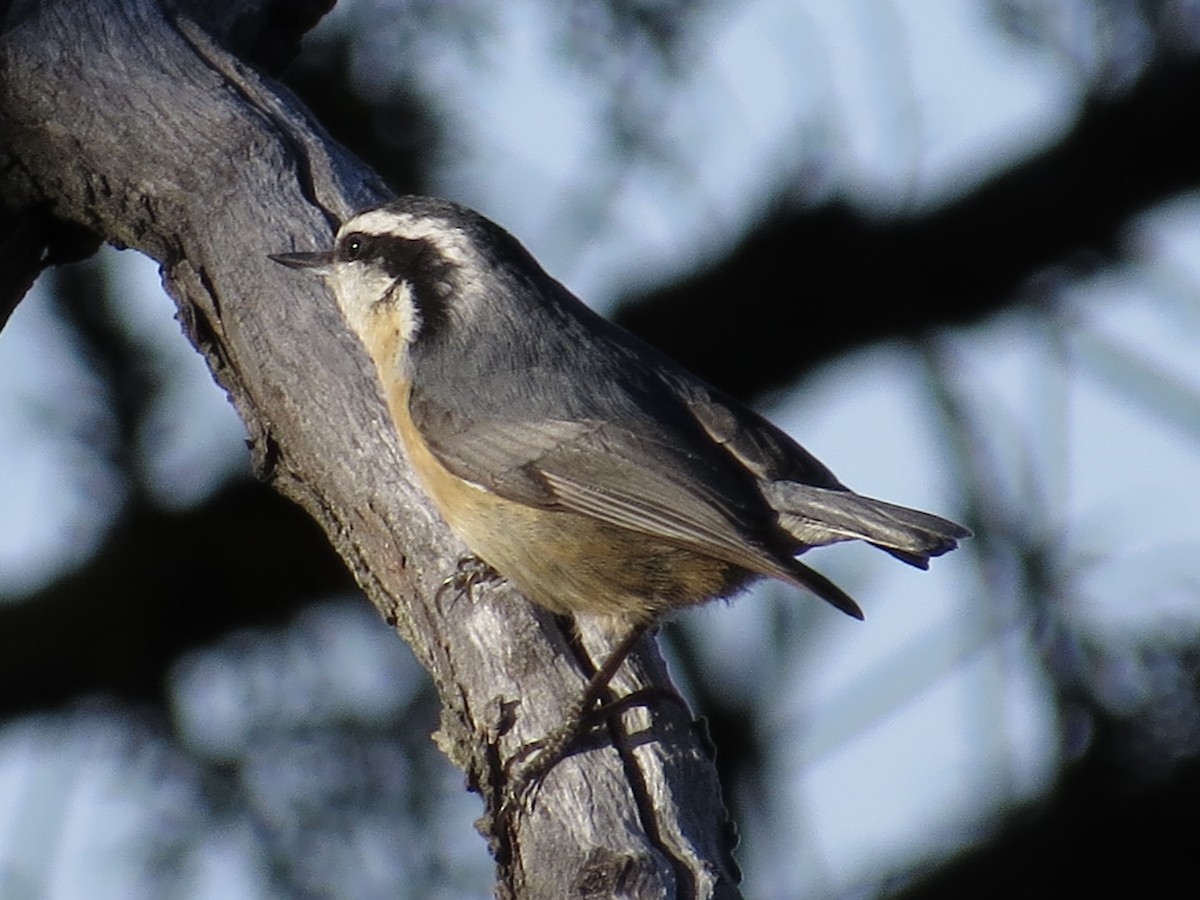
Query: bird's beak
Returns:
{"type": "Point", "coordinates": [318, 263]}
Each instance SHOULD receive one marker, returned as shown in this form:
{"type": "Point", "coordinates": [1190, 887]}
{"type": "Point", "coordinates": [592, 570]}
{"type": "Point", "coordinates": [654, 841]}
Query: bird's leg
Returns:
{"type": "Point", "coordinates": [553, 747]}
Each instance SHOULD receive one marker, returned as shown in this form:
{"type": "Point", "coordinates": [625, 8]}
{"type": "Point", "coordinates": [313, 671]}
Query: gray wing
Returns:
{"type": "Point", "coordinates": [759, 445]}
{"type": "Point", "coordinates": [654, 480]}
{"type": "Point", "coordinates": [813, 506]}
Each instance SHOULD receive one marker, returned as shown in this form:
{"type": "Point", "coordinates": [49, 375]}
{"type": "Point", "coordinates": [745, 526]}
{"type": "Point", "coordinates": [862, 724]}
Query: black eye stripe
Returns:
{"type": "Point", "coordinates": [399, 257]}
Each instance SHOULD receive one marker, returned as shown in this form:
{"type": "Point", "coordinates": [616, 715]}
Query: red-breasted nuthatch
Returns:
{"type": "Point", "coordinates": [573, 458]}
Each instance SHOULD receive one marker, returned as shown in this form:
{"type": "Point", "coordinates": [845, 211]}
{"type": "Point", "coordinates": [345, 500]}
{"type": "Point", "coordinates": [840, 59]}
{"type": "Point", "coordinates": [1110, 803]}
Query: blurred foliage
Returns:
{"type": "Point", "coordinates": [210, 632]}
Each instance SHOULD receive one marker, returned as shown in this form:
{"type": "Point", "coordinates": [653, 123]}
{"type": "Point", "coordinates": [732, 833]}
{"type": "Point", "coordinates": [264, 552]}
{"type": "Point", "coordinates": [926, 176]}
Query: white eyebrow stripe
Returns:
{"type": "Point", "coordinates": [450, 241]}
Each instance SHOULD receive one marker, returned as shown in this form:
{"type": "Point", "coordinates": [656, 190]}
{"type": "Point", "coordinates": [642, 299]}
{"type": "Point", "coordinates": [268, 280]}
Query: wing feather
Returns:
{"type": "Point", "coordinates": [656, 484]}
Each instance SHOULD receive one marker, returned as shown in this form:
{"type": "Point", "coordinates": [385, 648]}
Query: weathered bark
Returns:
{"type": "Point", "coordinates": [135, 124]}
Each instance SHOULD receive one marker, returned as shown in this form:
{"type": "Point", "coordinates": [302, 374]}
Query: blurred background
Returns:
{"type": "Point", "coordinates": [952, 246]}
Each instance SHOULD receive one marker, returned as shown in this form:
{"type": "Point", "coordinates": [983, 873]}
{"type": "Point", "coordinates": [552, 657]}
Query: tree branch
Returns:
{"type": "Point", "coordinates": [163, 583]}
{"type": "Point", "coordinates": [807, 287]}
{"type": "Point", "coordinates": [140, 128]}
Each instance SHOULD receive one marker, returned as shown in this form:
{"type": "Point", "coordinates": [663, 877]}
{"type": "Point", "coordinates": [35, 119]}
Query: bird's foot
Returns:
{"type": "Point", "coordinates": [469, 572]}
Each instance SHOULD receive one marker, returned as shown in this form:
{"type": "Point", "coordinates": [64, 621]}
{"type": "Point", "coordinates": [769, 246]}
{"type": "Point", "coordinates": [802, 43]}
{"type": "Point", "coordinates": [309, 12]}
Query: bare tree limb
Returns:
{"type": "Point", "coordinates": [133, 123]}
{"type": "Point", "coordinates": [808, 285]}
{"type": "Point", "coordinates": [118, 625]}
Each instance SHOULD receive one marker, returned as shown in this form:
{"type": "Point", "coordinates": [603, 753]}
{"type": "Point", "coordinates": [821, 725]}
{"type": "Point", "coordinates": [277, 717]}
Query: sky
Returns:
{"type": "Point", "coordinates": [894, 758]}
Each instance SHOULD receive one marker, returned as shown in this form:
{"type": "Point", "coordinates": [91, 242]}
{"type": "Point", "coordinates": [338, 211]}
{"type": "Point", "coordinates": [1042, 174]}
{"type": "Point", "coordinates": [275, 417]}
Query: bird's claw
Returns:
{"type": "Point", "coordinates": [469, 572]}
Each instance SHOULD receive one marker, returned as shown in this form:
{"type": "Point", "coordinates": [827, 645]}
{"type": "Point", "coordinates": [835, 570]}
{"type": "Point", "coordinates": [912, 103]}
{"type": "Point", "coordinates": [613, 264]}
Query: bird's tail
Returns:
{"type": "Point", "coordinates": [816, 516]}
{"type": "Point", "coordinates": [812, 580]}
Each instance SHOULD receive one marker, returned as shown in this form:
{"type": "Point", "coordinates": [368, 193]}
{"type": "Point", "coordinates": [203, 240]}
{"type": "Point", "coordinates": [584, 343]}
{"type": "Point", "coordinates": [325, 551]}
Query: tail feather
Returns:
{"type": "Point", "coordinates": [814, 581]}
{"type": "Point", "coordinates": [816, 516]}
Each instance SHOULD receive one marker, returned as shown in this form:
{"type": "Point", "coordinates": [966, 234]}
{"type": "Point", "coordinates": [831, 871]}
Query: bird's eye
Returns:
{"type": "Point", "coordinates": [354, 248]}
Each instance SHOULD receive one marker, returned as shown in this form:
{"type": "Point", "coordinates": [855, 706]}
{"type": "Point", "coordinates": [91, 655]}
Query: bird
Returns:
{"type": "Point", "coordinates": [580, 463]}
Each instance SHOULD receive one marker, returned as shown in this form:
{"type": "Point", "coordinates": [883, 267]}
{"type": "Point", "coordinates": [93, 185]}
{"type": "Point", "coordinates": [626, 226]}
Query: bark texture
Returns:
{"type": "Point", "coordinates": [127, 120]}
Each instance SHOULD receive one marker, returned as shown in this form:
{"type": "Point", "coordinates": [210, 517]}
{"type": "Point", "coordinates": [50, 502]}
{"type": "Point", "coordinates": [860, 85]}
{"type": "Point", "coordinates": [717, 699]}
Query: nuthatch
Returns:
{"type": "Point", "coordinates": [577, 461]}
